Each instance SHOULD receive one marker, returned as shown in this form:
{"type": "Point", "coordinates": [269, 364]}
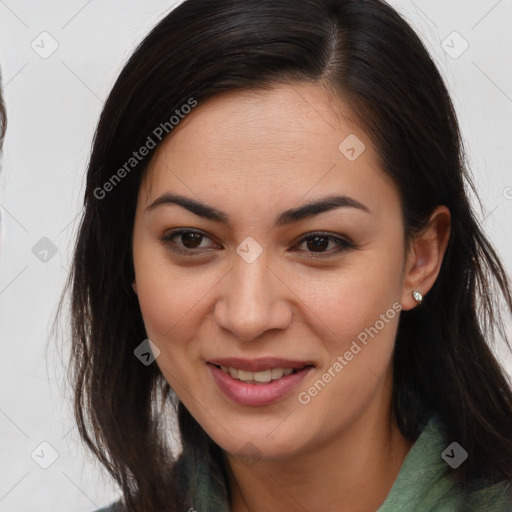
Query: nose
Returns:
{"type": "Point", "coordinates": [253, 300]}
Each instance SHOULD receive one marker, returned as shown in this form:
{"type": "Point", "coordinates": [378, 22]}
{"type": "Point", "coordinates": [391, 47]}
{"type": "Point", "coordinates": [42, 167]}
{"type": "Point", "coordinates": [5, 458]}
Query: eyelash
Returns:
{"type": "Point", "coordinates": [342, 244]}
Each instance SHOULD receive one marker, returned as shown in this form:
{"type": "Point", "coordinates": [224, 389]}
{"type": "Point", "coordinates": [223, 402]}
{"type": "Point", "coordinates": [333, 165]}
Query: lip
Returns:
{"type": "Point", "coordinates": [243, 393]}
{"type": "Point", "coordinates": [261, 364]}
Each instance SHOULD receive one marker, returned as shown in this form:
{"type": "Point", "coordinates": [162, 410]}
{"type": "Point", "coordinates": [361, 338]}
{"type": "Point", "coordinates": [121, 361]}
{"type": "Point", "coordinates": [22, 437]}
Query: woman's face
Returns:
{"type": "Point", "coordinates": [237, 269]}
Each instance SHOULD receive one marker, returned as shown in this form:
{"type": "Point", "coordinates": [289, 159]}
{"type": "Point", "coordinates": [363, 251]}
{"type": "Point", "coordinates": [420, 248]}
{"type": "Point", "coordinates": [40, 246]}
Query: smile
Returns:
{"type": "Point", "coordinates": [262, 377]}
{"type": "Point", "coordinates": [257, 382]}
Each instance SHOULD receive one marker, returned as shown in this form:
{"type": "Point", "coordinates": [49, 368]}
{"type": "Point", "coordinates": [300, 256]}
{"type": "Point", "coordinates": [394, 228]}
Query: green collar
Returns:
{"type": "Point", "coordinates": [423, 483]}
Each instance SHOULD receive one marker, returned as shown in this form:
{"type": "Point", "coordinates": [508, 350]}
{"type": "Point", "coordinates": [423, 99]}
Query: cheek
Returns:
{"type": "Point", "coordinates": [360, 306]}
{"type": "Point", "coordinates": [362, 321]}
{"type": "Point", "coordinates": [166, 303]}
{"type": "Point", "coordinates": [163, 295]}
{"type": "Point", "coordinates": [174, 301]}
{"type": "Point", "coordinates": [169, 309]}
{"type": "Point", "coordinates": [353, 298]}
{"type": "Point", "coordinates": [364, 327]}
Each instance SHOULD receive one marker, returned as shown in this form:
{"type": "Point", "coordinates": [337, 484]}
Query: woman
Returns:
{"type": "Point", "coordinates": [276, 198]}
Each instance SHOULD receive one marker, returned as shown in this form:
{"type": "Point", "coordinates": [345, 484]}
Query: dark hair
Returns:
{"type": "Point", "coordinates": [371, 58]}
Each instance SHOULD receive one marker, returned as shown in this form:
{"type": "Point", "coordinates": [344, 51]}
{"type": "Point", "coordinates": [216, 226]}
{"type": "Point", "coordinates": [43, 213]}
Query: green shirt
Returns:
{"type": "Point", "coordinates": [422, 485]}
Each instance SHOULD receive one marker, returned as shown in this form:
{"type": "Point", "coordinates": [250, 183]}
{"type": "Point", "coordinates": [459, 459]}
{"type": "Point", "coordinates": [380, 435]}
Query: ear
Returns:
{"type": "Point", "coordinates": [134, 286]}
{"type": "Point", "coordinates": [425, 256]}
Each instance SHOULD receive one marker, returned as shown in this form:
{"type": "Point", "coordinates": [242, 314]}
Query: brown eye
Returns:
{"type": "Point", "coordinates": [317, 243]}
{"type": "Point", "coordinates": [187, 242]}
{"type": "Point", "coordinates": [323, 244]}
{"type": "Point", "coordinates": [191, 240]}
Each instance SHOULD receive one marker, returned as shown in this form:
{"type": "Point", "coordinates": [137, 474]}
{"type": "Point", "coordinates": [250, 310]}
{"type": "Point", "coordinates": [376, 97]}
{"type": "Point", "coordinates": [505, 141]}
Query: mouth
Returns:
{"type": "Point", "coordinates": [261, 377]}
{"type": "Point", "coordinates": [258, 382]}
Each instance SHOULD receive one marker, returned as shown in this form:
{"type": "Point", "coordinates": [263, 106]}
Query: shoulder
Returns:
{"type": "Point", "coordinates": [425, 480]}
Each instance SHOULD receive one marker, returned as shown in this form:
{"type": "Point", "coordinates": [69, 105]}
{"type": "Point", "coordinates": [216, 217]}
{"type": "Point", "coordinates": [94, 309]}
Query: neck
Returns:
{"type": "Point", "coordinates": [354, 471]}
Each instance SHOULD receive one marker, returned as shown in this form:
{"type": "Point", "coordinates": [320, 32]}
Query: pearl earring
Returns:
{"type": "Point", "coordinates": [417, 297]}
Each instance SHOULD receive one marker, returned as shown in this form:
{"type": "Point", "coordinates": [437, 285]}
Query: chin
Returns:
{"type": "Point", "coordinates": [257, 443]}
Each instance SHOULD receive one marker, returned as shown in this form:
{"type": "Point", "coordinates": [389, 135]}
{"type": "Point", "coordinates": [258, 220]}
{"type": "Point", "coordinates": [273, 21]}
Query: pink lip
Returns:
{"type": "Point", "coordinates": [244, 393]}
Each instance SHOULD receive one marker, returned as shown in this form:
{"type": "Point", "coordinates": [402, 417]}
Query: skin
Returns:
{"type": "Point", "coordinates": [254, 154]}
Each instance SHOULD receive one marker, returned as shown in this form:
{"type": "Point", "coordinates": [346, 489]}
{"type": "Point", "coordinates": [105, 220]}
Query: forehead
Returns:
{"type": "Point", "coordinates": [288, 141]}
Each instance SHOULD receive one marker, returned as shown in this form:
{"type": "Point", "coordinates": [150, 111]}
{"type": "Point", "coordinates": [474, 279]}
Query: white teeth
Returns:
{"type": "Point", "coordinates": [243, 375]}
{"type": "Point", "coordinates": [277, 373]}
{"type": "Point", "coordinates": [264, 376]}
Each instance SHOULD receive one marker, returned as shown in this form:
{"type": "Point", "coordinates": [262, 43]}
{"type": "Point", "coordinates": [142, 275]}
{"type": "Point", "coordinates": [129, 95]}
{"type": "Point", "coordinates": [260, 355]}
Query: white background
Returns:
{"type": "Point", "coordinates": [53, 105]}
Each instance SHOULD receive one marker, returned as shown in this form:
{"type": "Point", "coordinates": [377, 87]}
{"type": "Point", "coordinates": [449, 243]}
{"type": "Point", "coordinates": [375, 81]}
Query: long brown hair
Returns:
{"type": "Point", "coordinates": [370, 56]}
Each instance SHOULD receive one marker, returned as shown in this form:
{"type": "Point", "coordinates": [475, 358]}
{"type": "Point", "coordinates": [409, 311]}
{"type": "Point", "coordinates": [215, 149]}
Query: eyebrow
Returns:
{"type": "Point", "coordinates": [290, 216]}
